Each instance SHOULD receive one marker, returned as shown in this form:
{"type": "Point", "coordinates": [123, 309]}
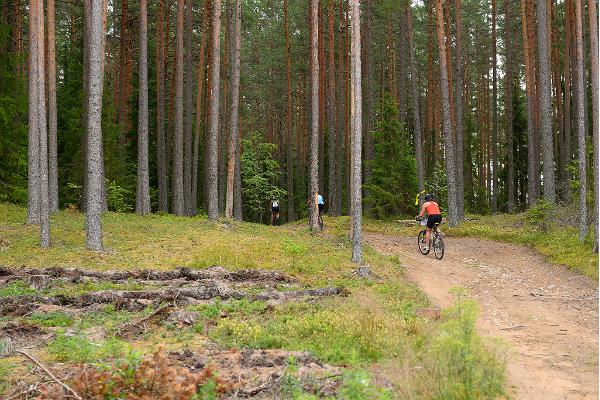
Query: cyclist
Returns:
{"type": "Point", "coordinates": [434, 215]}
{"type": "Point", "coordinates": [320, 203]}
{"type": "Point", "coordinates": [274, 212]}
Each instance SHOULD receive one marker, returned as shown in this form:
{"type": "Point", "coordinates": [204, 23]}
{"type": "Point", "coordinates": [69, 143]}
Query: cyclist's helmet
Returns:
{"type": "Point", "coordinates": [428, 197]}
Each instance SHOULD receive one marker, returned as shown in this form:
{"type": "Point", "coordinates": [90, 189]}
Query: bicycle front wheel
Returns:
{"type": "Point", "coordinates": [438, 246]}
{"type": "Point", "coordinates": [423, 248]}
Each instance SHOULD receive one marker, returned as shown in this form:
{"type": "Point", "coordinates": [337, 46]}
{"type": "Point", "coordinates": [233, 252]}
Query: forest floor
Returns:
{"type": "Point", "coordinates": [277, 312]}
{"type": "Point", "coordinates": [546, 314]}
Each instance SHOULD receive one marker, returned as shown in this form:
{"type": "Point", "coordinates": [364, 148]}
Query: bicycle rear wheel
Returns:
{"type": "Point", "coordinates": [423, 248]}
{"type": "Point", "coordinates": [438, 246]}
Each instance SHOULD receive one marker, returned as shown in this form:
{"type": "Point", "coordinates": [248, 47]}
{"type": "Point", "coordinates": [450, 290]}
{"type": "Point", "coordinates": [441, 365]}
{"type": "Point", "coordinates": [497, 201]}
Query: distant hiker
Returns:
{"type": "Point", "coordinates": [434, 215]}
{"type": "Point", "coordinates": [275, 212]}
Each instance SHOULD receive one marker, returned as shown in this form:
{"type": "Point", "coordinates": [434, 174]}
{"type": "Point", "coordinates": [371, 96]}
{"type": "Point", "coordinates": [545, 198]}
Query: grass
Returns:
{"type": "Point", "coordinates": [375, 325]}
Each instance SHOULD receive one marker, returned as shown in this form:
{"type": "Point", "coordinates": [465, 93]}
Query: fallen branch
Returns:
{"type": "Point", "coordinates": [50, 374]}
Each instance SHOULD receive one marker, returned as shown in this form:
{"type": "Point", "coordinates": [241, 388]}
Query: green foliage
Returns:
{"type": "Point", "coordinates": [438, 186]}
{"type": "Point", "coordinates": [118, 198]}
{"type": "Point", "coordinates": [52, 319]}
{"type": "Point", "coordinates": [77, 349]}
{"type": "Point", "coordinates": [393, 183]}
{"type": "Point", "coordinates": [16, 288]}
{"type": "Point", "coordinates": [463, 367]}
{"type": "Point", "coordinates": [294, 250]}
{"type": "Point", "coordinates": [259, 171]}
{"type": "Point", "coordinates": [541, 214]}
{"type": "Point", "coordinates": [358, 385]}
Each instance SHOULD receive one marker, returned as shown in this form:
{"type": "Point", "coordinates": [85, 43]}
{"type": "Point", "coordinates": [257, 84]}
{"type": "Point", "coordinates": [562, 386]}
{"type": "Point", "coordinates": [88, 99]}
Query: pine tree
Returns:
{"type": "Point", "coordinates": [446, 118]}
{"type": "Point", "coordinates": [142, 203]}
{"type": "Point", "coordinates": [234, 56]}
{"type": "Point", "coordinates": [52, 120]}
{"type": "Point", "coordinates": [94, 128]}
{"type": "Point", "coordinates": [178, 140]}
{"type": "Point", "coordinates": [593, 25]}
{"type": "Point", "coordinates": [356, 128]}
{"type": "Point", "coordinates": [314, 135]}
{"type": "Point", "coordinates": [291, 207]}
{"type": "Point", "coordinates": [580, 119]}
{"type": "Point", "coordinates": [161, 150]}
{"type": "Point", "coordinates": [213, 130]}
{"type": "Point", "coordinates": [543, 37]}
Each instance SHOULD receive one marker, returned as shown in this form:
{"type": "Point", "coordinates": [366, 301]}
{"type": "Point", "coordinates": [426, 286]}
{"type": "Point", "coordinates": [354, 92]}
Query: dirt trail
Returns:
{"type": "Point", "coordinates": [547, 314]}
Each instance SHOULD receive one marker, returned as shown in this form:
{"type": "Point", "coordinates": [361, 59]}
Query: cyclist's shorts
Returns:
{"type": "Point", "coordinates": [433, 219]}
{"type": "Point", "coordinates": [275, 209]}
{"type": "Point", "coordinates": [320, 208]}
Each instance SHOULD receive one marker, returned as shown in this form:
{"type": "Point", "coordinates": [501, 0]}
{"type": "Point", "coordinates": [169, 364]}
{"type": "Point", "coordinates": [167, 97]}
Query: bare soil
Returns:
{"type": "Point", "coordinates": [547, 314]}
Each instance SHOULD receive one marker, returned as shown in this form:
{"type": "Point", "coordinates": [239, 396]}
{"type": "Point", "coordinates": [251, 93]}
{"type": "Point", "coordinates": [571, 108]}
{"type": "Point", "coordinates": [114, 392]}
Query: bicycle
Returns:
{"type": "Point", "coordinates": [436, 241]}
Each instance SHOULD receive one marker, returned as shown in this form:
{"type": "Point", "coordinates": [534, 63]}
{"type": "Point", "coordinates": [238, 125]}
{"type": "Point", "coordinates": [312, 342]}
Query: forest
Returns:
{"type": "Point", "coordinates": [139, 137]}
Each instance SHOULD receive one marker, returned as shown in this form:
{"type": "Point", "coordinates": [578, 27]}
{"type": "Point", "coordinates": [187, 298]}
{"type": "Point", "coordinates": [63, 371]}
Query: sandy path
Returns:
{"type": "Point", "coordinates": [547, 314]}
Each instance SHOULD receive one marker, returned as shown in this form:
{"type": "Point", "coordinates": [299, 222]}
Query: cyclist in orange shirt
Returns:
{"type": "Point", "coordinates": [434, 215]}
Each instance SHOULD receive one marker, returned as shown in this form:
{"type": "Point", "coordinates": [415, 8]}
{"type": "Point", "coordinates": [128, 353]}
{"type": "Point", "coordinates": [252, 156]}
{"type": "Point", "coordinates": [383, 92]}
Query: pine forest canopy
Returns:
{"type": "Point", "coordinates": [150, 105]}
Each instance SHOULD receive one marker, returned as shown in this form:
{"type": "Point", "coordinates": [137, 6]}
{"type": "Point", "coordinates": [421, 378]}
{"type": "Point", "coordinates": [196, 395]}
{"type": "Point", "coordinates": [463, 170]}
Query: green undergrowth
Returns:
{"type": "Point", "coordinates": [375, 323]}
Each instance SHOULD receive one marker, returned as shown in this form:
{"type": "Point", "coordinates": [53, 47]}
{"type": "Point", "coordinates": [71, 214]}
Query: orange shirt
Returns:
{"type": "Point", "coordinates": [432, 208]}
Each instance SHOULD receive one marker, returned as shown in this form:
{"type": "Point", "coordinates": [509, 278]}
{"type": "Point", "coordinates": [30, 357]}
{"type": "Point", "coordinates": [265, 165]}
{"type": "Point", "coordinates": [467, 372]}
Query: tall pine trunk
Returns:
{"type": "Point", "coordinates": [52, 120]}
{"type": "Point", "coordinates": [314, 98]}
{"type": "Point", "coordinates": [543, 39]}
{"type": "Point", "coordinates": [531, 93]}
{"type": "Point", "coordinates": [446, 118]}
{"type": "Point", "coordinates": [142, 201]}
{"type": "Point", "coordinates": [580, 117]}
{"type": "Point", "coordinates": [356, 135]}
{"type": "Point", "coordinates": [291, 207]}
{"type": "Point", "coordinates": [458, 111]}
{"type": "Point", "coordinates": [178, 140]}
{"type": "Point", "coordinates": [33, 142]}
{"type": "Point", "coordinates": [368, 69]}
{"type": "Point", "coordinates": [40, 101]}
{"type": "Point", "coordinates": [94, 128]}
{"type": "Point", "coordinates": [415, 97]}
{"type": "Point", "coordinates": [161, 150]}
{"type": "Point", "coordinates": [199, 102]}
{"type": "Point", "coordinates": [508, 94]}
{"type": "Point", "coordinates": [494, 166]}
{"type": "Point", "coordinates": [234, 55]}
{"type": "Point", "coordinates": [593, 21]}
{"type": "Point", "coordinates": [566, 150]}
{"type": "Point", "coordinates": [213, 131]}
{"type": "Point", "coordinates": [188, 113]}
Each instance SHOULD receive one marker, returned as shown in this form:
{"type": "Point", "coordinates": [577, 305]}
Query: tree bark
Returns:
{"type": "Point", "coordinates": [43, 130]}
{"type": "Point", "coordinates": [199, 99]}
{"type": "Point", "coordinates": [458, 110]}
{"type": "Point", "coordinates": [122, 89]}
{"type": "Point", "coordinates": [580, 116]}
{"type": "Point", "coordinates": [593, 24]}
{"type": "Point", "coordinates": [415, 95]}
{"type": "Point", "coordinates": [291, 207]}
{"type": "Point", "coordinates": [314, 142]}
{"type": "Point", "coordinates": [33, 142]}
{"type": "Point", "coordinates": [447, 121]}
{"type": "Point", "coordinates": [161, 150]}
{"type": "Point", "coordinates": [531, 93]}
{"type": "Point", "coordinates": [368, 90]}
{"type": "Point", "coordinates": [545, 100]}
{"type": "Point", "coordinates": [142, 203]}
{"type": "Point", "coordinates": [52, 121]}
{"type": "Point", "coordinates": [336, 206]}
{"type": "Point", "coordinates": [94, 128]}
{"type": "Point", "coordinates": [494, 188]}
{"type": "Point", "coordinates": [322, 116]}
{"type": "Point", "coordinates": [178, 142]}
{"type": "Point", "coordinates": [234, 56]}
{"type": "Point", "coordinates": [188, 114]}
{"type": "Point", "coordinates": [213, 133]}
{"type": "Point", "coordinates": [356, 128]}
{"type": "Point", "coordinates": [567, 153]}
{"type": "Point", "coordinates": [508, 90]}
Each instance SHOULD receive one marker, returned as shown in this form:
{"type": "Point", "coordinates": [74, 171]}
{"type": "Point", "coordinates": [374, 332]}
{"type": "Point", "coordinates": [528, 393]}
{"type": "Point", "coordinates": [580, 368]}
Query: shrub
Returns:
{"type": "Point", "coordinates": [133, 377]}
